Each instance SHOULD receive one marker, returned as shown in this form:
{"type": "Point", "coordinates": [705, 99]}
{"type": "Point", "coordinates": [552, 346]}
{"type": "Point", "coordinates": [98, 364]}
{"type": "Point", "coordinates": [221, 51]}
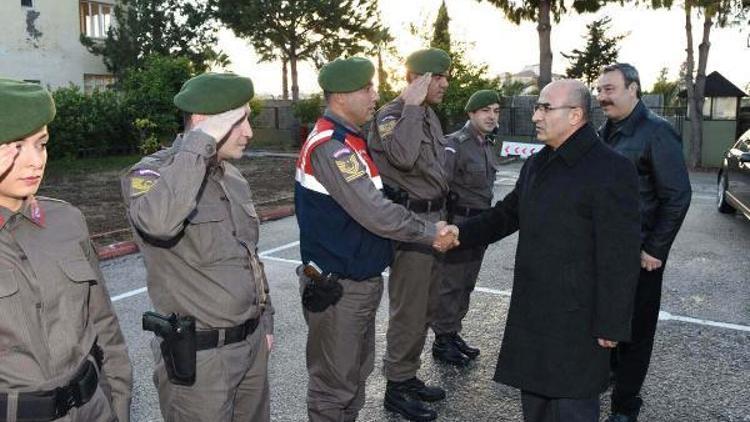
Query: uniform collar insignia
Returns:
{"type": "Point", "coordinates": [34, 212]}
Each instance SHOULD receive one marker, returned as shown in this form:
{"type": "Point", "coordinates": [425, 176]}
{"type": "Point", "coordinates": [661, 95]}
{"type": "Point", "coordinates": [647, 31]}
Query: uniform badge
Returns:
{"type": "Point", "coordinates": [386, 125]}
{"type": "Point", "coordinates": [140, 185]}
{"type": "Point", "coordinates": [350, 167]}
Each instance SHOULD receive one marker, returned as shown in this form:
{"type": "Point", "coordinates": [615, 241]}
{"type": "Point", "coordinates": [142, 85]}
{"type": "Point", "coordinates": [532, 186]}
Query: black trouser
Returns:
{"type": "Point", "coordinates": [538, 408]}
{"type": "Point", "coordinates": [631, 360]}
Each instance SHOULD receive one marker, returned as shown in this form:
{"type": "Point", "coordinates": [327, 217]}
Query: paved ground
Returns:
{"type": "Point", "coordinates": [701, 370]}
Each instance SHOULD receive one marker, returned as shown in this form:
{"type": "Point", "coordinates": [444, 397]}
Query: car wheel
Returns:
{"type": "Point", "coordinates": [721, 202]}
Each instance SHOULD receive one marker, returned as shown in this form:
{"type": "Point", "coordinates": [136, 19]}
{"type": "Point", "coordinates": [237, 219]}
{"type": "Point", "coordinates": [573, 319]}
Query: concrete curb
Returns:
{"type": "Point", "coordinates": [119, 249]}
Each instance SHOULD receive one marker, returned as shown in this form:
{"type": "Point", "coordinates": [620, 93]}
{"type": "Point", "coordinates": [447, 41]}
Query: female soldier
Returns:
{"type": "Point", "coordinates": [58, 331]}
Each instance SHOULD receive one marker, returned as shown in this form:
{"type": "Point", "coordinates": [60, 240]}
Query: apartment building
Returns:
{"type": "Point", "coordinates": [39, 41]}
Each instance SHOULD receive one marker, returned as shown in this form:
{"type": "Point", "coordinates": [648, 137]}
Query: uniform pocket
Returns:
{"type": "Point", "coordinates": [8, 283]}
{"type": "Point", "coordinates": [79, 270]}
{"type": "Point", "coordinates": [476, 174]}
{"type": "Point", "coordinates": [208, 214]}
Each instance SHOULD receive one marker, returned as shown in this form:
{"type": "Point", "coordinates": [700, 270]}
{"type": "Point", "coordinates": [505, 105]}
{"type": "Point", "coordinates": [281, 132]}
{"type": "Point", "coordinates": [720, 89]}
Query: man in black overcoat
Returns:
{"type": "Point", "coordinates": [575, 205]}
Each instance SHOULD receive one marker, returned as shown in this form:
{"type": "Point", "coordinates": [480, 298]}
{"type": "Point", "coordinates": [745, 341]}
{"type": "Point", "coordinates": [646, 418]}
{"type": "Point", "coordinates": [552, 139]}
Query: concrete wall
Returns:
{"type": "Point", "coordinates": [41, 43]}
{"type": "Point", "coordinates": [718, 136]}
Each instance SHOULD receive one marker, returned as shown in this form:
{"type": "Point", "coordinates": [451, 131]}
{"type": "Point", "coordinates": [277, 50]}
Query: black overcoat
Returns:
{"type": "Point", "coordinates": [577, 265]}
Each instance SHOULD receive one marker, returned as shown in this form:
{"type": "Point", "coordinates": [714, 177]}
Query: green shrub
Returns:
{"type": "Point", "coordinates": [308, 110]}
{"type": "Point", "coordinates": [148, 93]}
{"type": "Point", "coordinates": [89, 125]}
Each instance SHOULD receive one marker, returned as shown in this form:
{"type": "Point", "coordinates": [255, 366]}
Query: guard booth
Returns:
{"type": "Point", "coordinates": [721, 125]}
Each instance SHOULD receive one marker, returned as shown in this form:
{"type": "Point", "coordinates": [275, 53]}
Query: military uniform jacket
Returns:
{"type": "Point", "coordinates": [345, 221]}
{"type": "Point", "coordinates": [471, 164]}
{"type": "Point", "coordinates": [54, 304]}
{"type": "Point", "coordinates": [196, 225]}
{"type": "Point", "coordinates": [407, 144]}
{"type": "Point", "coordinates": [576, 267]}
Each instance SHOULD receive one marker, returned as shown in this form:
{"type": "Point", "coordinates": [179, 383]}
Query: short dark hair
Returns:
{"type": "Point", "coordinates": [186, 120]}
{"type": "Point", "coordinates": [628, 71]}
{"type": "Point", "coordinates": [327, 95]}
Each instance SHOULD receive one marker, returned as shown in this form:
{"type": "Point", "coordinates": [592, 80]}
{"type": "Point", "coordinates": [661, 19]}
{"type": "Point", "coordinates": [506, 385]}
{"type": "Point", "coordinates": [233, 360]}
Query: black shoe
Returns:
{"type": "Point", "coordinates": [446, 350]}
{"type": "Point", "coordinates": [631, 416]}
{"type": "Point", "coordinates": [398, 400]}
{"type": "Point", "coordinates": [471, 352]}
{"type": "Point", "coordinates": [417, 389]}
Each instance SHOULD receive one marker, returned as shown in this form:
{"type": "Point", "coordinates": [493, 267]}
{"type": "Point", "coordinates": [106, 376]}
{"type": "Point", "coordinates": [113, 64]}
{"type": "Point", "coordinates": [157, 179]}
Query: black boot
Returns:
{"type": "Point", "coordinates": [446, 350]}
{"type": "Point", "coordinates": [420, 391]}
{"type": "Point", "coordinates": [471, 352]}
{"type": "Point", "coordinates": [399, 399]}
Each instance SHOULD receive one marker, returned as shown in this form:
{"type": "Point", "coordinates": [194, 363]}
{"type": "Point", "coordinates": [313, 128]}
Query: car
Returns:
{"type": "Point", "coordinates": [733, 181]}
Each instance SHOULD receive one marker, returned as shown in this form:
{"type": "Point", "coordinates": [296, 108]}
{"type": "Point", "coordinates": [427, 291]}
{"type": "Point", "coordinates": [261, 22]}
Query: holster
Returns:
{"type": "Point", "coordinates": [320, 291]}
{"type": "Point", "coordinates": [178, 346]}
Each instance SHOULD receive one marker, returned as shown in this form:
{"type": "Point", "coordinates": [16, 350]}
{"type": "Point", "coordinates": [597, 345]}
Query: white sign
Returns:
{"type": "Point", "coordinates": [523, 149]}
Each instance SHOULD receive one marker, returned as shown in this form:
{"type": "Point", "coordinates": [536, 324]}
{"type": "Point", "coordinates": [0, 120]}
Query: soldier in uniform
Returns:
{"type": "Point", "coordinates": [193, 218]}
{"type": "Point", "coordinates": [345, 223]}
{"type": "Point", "coordinates": [471, 163]}
{"type": "Point", "coordinates": [62, 354]}
{"type": "Point", "coordinates": [407, 145]}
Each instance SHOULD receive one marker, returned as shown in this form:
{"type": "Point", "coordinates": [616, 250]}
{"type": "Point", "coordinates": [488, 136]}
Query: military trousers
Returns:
{"type": "Point", "coordinates": [456, 280]}
{"type": "Point", "coordinates": [341, 351]}
{"type": "Point", "coordinates": [231, 384]}
{"type": "Point", "coordinates": [414, 272]}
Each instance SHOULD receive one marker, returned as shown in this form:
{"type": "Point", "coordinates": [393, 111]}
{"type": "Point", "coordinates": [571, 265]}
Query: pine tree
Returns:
{"type": "Point", "coordinates": [600, 50]}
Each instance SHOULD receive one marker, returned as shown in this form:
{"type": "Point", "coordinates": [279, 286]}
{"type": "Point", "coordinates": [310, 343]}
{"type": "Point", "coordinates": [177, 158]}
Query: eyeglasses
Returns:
{"type": "Point", "coordinates": [545, 107]}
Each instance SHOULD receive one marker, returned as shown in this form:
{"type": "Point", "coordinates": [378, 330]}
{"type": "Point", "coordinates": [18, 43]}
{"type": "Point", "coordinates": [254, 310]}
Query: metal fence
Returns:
{"type": "Point", "coordinates": [516, 121]}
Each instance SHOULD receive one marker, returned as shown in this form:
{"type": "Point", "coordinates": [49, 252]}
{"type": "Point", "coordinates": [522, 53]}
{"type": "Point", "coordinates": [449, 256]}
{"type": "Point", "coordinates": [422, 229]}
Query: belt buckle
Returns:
{"type": "Point", "coordinates": [66, 398]}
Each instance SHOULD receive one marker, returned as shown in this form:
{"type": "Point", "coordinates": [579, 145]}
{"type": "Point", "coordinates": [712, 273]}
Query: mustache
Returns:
{"type": "Point", "coordinates": [606, 103]}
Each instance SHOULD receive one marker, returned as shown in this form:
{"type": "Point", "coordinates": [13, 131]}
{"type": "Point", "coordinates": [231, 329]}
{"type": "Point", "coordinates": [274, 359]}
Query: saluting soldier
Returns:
{"type": "Point", "coordinates": [345, 222]}
{"type": "Point", "coordinates": [408, 146]}
{"type": "Point", "coordinates": [193, 218]}
{"type": "Point", "coordinates": [58, 331]}
{"type": "Point", "coordinates": [471, 164]}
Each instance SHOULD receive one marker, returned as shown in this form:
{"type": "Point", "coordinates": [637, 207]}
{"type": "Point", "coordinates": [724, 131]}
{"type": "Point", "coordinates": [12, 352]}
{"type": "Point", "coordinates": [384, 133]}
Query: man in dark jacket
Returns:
{"type": "Point", "coordinates": [650, 143]}
{"type": "Point", "coordinates": [575, 205]}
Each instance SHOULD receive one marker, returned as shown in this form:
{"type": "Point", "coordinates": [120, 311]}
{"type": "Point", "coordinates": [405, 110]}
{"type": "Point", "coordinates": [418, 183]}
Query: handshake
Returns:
{"type": "Point", "coordinates": [446, 238]}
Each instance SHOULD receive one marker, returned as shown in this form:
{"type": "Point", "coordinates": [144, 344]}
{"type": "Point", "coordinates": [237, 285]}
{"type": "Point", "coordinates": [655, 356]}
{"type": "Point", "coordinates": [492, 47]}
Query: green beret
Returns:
{"type": "Point", "coordinates": [346, 75]}
{"type": "Point", "coordinates": [432, 60]}
{"type": "Point", "coordinates": [482, 98]}
{"type": "Point", "coordinates": [214, 93]}
{"type": "Point", "coordinates": [24, 108]}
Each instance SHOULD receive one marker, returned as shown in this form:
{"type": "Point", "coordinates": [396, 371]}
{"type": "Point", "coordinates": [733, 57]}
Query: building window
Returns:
{"type": "Point", "coordinates": [96, 18]}
{"type": "Point", "coordinates": [92, 83]}
{"type": "Point", "coordinates": [720, 108]}
{"type": "Point", "coordinates": [27, 3]}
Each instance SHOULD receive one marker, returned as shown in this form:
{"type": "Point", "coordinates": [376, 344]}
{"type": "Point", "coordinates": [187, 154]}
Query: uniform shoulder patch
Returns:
{"type": "Point", "coordinates": [142, 180]}
{"type": "Point", "coordinates": [341, 152]}
{"type": "Point", "coordinates": [350, 167]}
{"type": "Point", "coordinates": [386, 125]}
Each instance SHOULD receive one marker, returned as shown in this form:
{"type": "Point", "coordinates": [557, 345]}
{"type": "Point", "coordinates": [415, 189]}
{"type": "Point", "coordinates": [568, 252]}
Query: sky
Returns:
{"type": "Point", "coordinates": [656, 39]}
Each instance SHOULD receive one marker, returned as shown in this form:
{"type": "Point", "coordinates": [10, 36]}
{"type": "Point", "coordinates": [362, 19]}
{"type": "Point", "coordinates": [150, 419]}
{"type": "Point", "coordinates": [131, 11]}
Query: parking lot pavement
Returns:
{"type": "Point", "coordinates": [701, 363]}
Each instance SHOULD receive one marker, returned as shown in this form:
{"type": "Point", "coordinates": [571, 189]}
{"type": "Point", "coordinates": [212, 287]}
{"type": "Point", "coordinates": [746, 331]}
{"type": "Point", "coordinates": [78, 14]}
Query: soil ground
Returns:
{"type": "Point", "coordinates": [97, 194]}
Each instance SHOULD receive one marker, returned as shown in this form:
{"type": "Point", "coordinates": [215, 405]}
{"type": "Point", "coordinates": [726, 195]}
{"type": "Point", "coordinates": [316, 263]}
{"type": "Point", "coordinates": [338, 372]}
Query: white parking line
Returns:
{"type": "Point", "coordinates": [280, 248]}
{"type": "Point", "coordinates": [128, 294]}
{"type": "Point", "coordinates": [663, 315]}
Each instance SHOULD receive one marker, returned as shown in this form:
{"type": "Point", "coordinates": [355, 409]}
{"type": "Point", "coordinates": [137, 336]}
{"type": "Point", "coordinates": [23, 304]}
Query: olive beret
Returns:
{"type": "Point", "coordinates": [214, 93]}
{"type": "Point", "coordinates": [482, 98]}
{"type": "Point", "coordinates": [432, 60]}
{"type": "Point", "coordinates": [24, 108]}
{"type": "Point", "coordinates": [346, 75]}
